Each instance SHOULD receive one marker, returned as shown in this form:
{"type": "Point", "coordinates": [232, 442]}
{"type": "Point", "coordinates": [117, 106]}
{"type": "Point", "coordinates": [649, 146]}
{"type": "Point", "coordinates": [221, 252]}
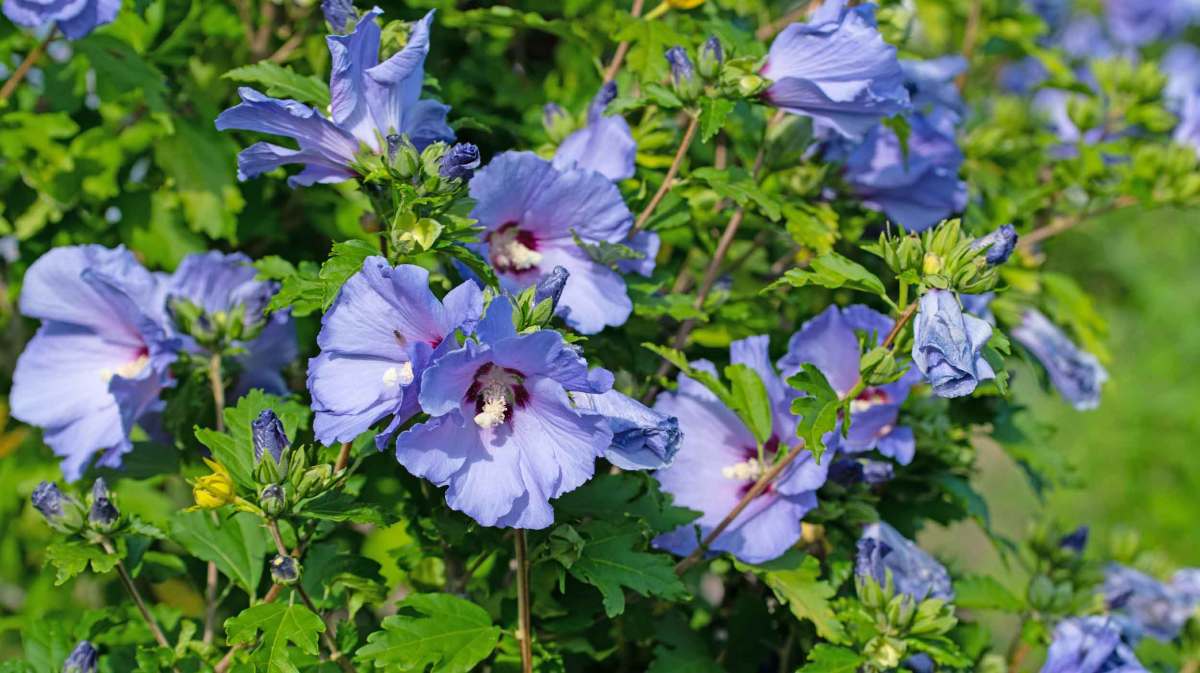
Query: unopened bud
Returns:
{"type": "Point", "coordinates": [551, 287]}
{"type": "Point", "coordinates": [273, 500]}
{"type": "Point", "coordinates": [683, 74]}
{"type": "Point", "coordinates": [104, 514]}
{"type": "Point", "coordinates": [62, 512]}
{"type": "Point", "coordinates": [284, 570]}
{"type": "Point", "coordinates": [999, 244]}
{"type": "Point", "coordinates": [82, 659]}
{"type": "Point", "coordinates": [459, 162]}
{"type": "Point", "coordinates": [269, 437]}
{"type": "Point", "coordinates": [557, 122]}
{"type": "Point", "coordinates": [711, 58]}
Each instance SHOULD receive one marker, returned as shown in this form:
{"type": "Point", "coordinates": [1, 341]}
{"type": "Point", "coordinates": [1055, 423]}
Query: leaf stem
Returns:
{"type": "Point", "coordinates": [218, 389]}
{"type": "Point", "coordinates": [217, 383]}
{"type": "Point", "coordinates": [343, 458]}
{"type": "Point", "coordinates": [614, 67]}
{"type": "Point", "coordinates": [906, 316]}
{"type": "Point", "coordinates": [335, 655]}
{"type": "Point", "coordinates": [136, 595]}
{"type": "Point", "coordinates": [30, 59]}
{"type": "Point", "coordinates": [525, 623]}
{"type": "Point", "coordinates": [688, 136]}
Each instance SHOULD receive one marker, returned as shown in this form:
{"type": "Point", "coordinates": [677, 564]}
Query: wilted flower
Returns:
{"type": "Point", "coordinates": [502, 433]}
{"type": "Point", "coordinates": [532, 213]}
{"type": "Point", "coordinates": [829, 342]}
{"type": "Point", "coordinates": [718, 463]}
{"type": "Point", "coordinates": [62, 512]}
{"type": "Point", "coordinates": [339, 14]}
{"type": "Point", "coordinates": [1076, 374]}
{"type": "Point", "coordinates": [1089, 645]}
{"type": "Point", "coordinates": [369, 102]}
{"type": "Point", "coordinates": [75, 19]}
{"type": "Point", "coordinates": [459, 162]}
{"type": "Point", "coordinates": [382, 331]}
{"type": "Point", "coordinates": [948, 345]}
{"type": "Point", "coordinates": [103, 514]}
{"type": "Point", "coordinates": [605, 144]}
{"type": "Point", "coordinates": [836, 69]}
{"type": "Point", "coordinates": [269, 437]}
{"type": "Point", "coordinates": [643, 439]}
{"type": "Point", "coordinates": [710, 58]}
{"type": "Point", "coordinates": [284, 570]}
{"type": "Point", "coordinates": [216, 489]}
{"type": "Point", "coordinates": [96, 366]}
{"type": "Point", "coordinates": [1144, 606]}
{"type": "Point", "coordinates": [883, 551]}
{"type": "Point", "coordinates": [82, 659]}
{"type": "Point", "coordinates": [999, 244]}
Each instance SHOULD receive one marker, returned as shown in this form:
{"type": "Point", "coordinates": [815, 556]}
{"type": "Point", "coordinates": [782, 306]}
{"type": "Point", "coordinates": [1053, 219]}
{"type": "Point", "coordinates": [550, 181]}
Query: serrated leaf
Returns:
{"type": "Point", "coordinates": [306, 289]}
{"type": "Point", "coordinates": [612, 497]}
{"type": "Point", "coordinates": [736, 184]}
{"type": "Point", "coordinates": [283, 626]}
{"type": "Point", "coordinates": [435, 632]}
{"type": "Point", "coordinates": [234, 448]}
{"type": "Point", "coordinates": [281, 81]}
{"type": "Point", "coordinates": [750, 400]}
{"type": "Point", "coordinates": [120, 69]}
{"type": "Point", "coordinates": [981, 592]}
{"type": "Point", "coordinates": [199, 161]}
{"type": "Point", "coordinates": [825, 658]}
{"type": "Point", "coordinates": [833, 271]}
{"type": "Point", "coordinates": [237, 545]}
{"type": "Point", "coordinates": [817, 408]}
{"type": "Point", "coordinates": [797, 582]}
{"type": "Point", "coordinates": [72, 558]}
{"type": "Point", "coordinates": [612, 561]}
{"type": "Point", "coordinates": [713, 112]}
{"type": "Point", "coordinates": [681, 660]}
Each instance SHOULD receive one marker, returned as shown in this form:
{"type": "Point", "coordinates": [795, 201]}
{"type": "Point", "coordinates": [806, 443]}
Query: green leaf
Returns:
{"type": "Point", "coordinates": [234, 448]}
{"type": "Point", "coordinates": [796, 580]}
{"type": "Point", "coordinates": [119, 70]}
{"type": "Point", "coordinates": [825, 658]}
{"type": "Point", "coordinates": [281, 81]}
{"type": "Point", "coordinates": [201, 163]}
{"type": "Point", "coordinates": [833, 271]}
{"type": "Point", "coordinates": [812, 225]}
{"type": "Point", "coordinates": [72, 558]}
{"type": "Point", "coordinates": [738, 185]}
{"type": "Point", "coordinates": [750, 399]}
{"type": "Point", "coordinates": [980, 592]}
{"type": "Point", "coordinates": [432, 632]}
{"type": "Point", "coordinates": [681, 660]}
{"type": "Point", "coordinates": [612, 497]}
{"type": "Point", "coordinates": [713, 112]}
{"type": "Point", "coordinates": [308, 289]}
{"type": "Point", "coordinates": [817, 409]}
{"type": "Point", "coordinates": [237, 545]}
{"type": "Point", "coordinates": [283, 626]}
{"type": "Point", "coordinates": [611, 561]}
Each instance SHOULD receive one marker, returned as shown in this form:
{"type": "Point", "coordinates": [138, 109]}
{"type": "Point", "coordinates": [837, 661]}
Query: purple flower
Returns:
{"type": "Point", "coordinates": [1181, 65]}
{"type": "Point", "coordinates": [62, 512]}
{"type": "Point", "coordinates": [917, 189]}
{"type": "Point", "coordinates": [882, 550]}
{"type": "Point", "coordinates": [1138, 22]}
{"type": "Point", "coordinates": [718, 462]}
{"type": "Point", "coordinates": [683, 73]}
{"type": "Point", "coordinates": [531, 213]}
{"type": "Point", "coordinates": [224, 286]}
{"type": "Point", "coordinates": [370, 101]}
{"type": "Point", "coordinates": [1076, 374]}
{"type": "Point", "coordinates": [339, 14]}
{"type": "Point", "coordinates": [642, 439]}
{"type": "Point", "coordinates": [1145, 606]}
{"type": "Point", "coordinates": [999, 244]}
{"type": "Point", "coordinates": [931, 85]}
{"type": "Point", "coordinates": [459, 162]}
{"type": "Point", "coordinates": [75, 18]}
{"type": "Point", "coordinates": [269, 437]}
{"type": "Point", "coordinates": [101, 357]}
{"type": "Point", "coordinates": [382, 331]}
{"type": "Point", "coordinates": [604, 145]}
{"type": "Point", "coordinates": [82, 659]}
{"type": "Point", "coordinates": [829, 342]}
{"type": "Point", "coordinates": [836, 69]}
{"type": "Point", "coordinates": [1054, 105]}
{"type": "Point", "coordinates": [979, 305]}
{"type": "Point", "coordinates": [502, 435]}
{"type": "Point", "coordinates": [1089, 645]}
{"type": "Point", "coordinates": [948, 345]}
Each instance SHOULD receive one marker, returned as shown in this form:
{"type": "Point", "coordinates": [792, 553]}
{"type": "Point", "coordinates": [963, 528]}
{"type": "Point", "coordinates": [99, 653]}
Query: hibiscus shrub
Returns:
{"type": "Point", "coordinates": [580, 336]}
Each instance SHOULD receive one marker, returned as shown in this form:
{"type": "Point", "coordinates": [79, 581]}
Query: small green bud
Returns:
{"type": "Point", "coordinates": [710, 58]}
{"type": "Point", "coordinates": [932, 264]}
{"type": "Point", "coordinates": [314, 480]}
{"type": "Point", "coordinates": [751, 85]}
{"type": "Point", "coordinates": [273, 500]}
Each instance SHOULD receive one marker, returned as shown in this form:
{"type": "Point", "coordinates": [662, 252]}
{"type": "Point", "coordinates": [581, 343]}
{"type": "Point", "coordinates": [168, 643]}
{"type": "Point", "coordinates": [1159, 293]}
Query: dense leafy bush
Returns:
{"type": "Point", "coordinates": [564, 336]}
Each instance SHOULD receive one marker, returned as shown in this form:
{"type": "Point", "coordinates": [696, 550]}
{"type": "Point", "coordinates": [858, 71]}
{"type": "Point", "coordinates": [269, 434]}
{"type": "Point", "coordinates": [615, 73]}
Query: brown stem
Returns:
{"type": "Point", "coordinates": [288, 47]}
{"type": "Point", "coordinates": [136, 595]}
{"type": "Point", "coordinates": [343, 458]}
{"type": "Point", "coordinates": [525, 624]}
{"type": "Point", "coordinates": [970, 37]}
{"type": "Point", "coordinates": [755, 491]}
{"type": "Point", "coordinates": [335, 655]}
{"type": "Point", "coordinates": [688, 136]}
{"type": "Point", "coordinates": [905, 316]}
{"type": "Point", "coordinates": [210, 603]}
{"type": "Point", "coordinates": [218, 389]}
{"type": "Point", "coordinates": [274, 528]}
{"type": "Point", "coordinates": [1063, 223]}
{"type": "Point", "coordinates": [30, 59]}
{"type": "Point", "coordinates": [610, 73]}
{"type": "Point", "coordinates": [768, 31]}
{"type": "Point", "coordinates": [217, 384]}
{"type": "Point", "coordinates": [1190, 666]}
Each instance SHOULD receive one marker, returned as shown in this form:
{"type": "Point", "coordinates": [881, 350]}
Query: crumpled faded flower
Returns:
{"type": "Point", "coordinates": [643, 439]}
{"type": "Point", "coordinates": [75, 18]}
{"type": "Point", "coordinates": [948, 345]}
{"type": "Point", "coordinates": [883, 551]}
{"type": "Point", "coordinates": [378, 336]}
{"type": "Point", "coordinates": [829, 342]}
{"type": "Point", "coordinates": [836, 69]}
{"type": "Point", "coordinates": [532, 213]}
{"type": "Point", "coordinates": [1076, 374]}
{"type": "Point", "coordinates": [503, 435]}
{"type": "Point", "coordinates": [96, 366]}
{"type": "Point", "coordinates": [1146, 607]}
{"type": "Point", "coordinates": [225, 287]}
{"type": "Point", "coordinates": [369, 102]}
{"type": "Point", "coordinates": [718, 462]}
{"type": "Point", "coordinates": [1089, 645]}
{"type": "Point", "coordinates": [605, 144]}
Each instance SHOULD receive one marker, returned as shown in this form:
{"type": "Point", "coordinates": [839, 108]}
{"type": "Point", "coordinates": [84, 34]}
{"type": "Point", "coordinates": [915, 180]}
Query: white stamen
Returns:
{"type": "Point", "coordinates": [496, 392]}
{"type": "Point", "coordinates": [510, 253]}
{"type": "Point", "coordinates": [128, 370]}
{"type": "Point", "coordinates": [743, 471]}
{"type": "Point", "coordinates": [402, 375]}
{"type": "Point", "coordinates": [494, 410]}
{"type": "Point", "coordinates": [860, 405]}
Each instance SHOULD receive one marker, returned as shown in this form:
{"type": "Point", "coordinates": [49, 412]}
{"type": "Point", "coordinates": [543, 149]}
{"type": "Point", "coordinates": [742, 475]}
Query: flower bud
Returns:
{"type": "Point", "coordinates": [551, 287]}
{"type": "Point", "coordinates": [931, 264]}
{"type": "Point", "coordinates": [683, 74]}
{"type": "Point", "coordinates": [273, 500]}
{"type": "Point", "coordinates": [269, 437]}
{"type": "Point", "coordinates": [214, 490]}
{"type": "Point", "coordinates": [402, 155]}
{"type": "Point", "coordinates": [62, 512]}
{"type": "Point", "coordinates": [104, 514]}
{"type": "Point", "coordinates": [751, 85]}
{"type": "Point", "coordinates": [459, 162]}
{"type": "Point", "coordinates": [999, 244]}
{"type": "Point", "coordinates": [314, 480]}
{"type": "Point", "coordinates": [1075, 541]}
{"type": "Point", "coordinates": [710, 58]}
{"type": "Point", "coordinates": [82, 659]}
{"type": "Point", "coordinates": [557, 122]}
{"type": "Point", "coordinates": [284, 570]}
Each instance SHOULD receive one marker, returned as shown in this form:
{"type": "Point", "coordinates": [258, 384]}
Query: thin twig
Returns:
{"type": "Point", "coordinates": [335, 655]}
{"type": "Point", "coordinates": [210, 604]}
{"type": "Point", "coordinates": [343, 458]}
{"type": "Point", "coordinates": [1063, 223]}
{"type": "Point", "coordinates": [30, 59]}
{"type": "Point", "coordinates": [688, 136]}
{"type": "Point", "coordinates": [525, 623]}
{"type": "Point", "coordinates": [217, 384]}
{"type": "Point", "coordinates": [614, 67]}
{"type": "Point", "coordinates": [1190, 666]}
{"type": "Point", "coordinates": [970, 37]}
{"type": "Point", "coordinates": [136, 595]}
{"type": "Point", "coordinates": [899, 325]}
{"type": "Point", "coordinates": [768, 31]}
